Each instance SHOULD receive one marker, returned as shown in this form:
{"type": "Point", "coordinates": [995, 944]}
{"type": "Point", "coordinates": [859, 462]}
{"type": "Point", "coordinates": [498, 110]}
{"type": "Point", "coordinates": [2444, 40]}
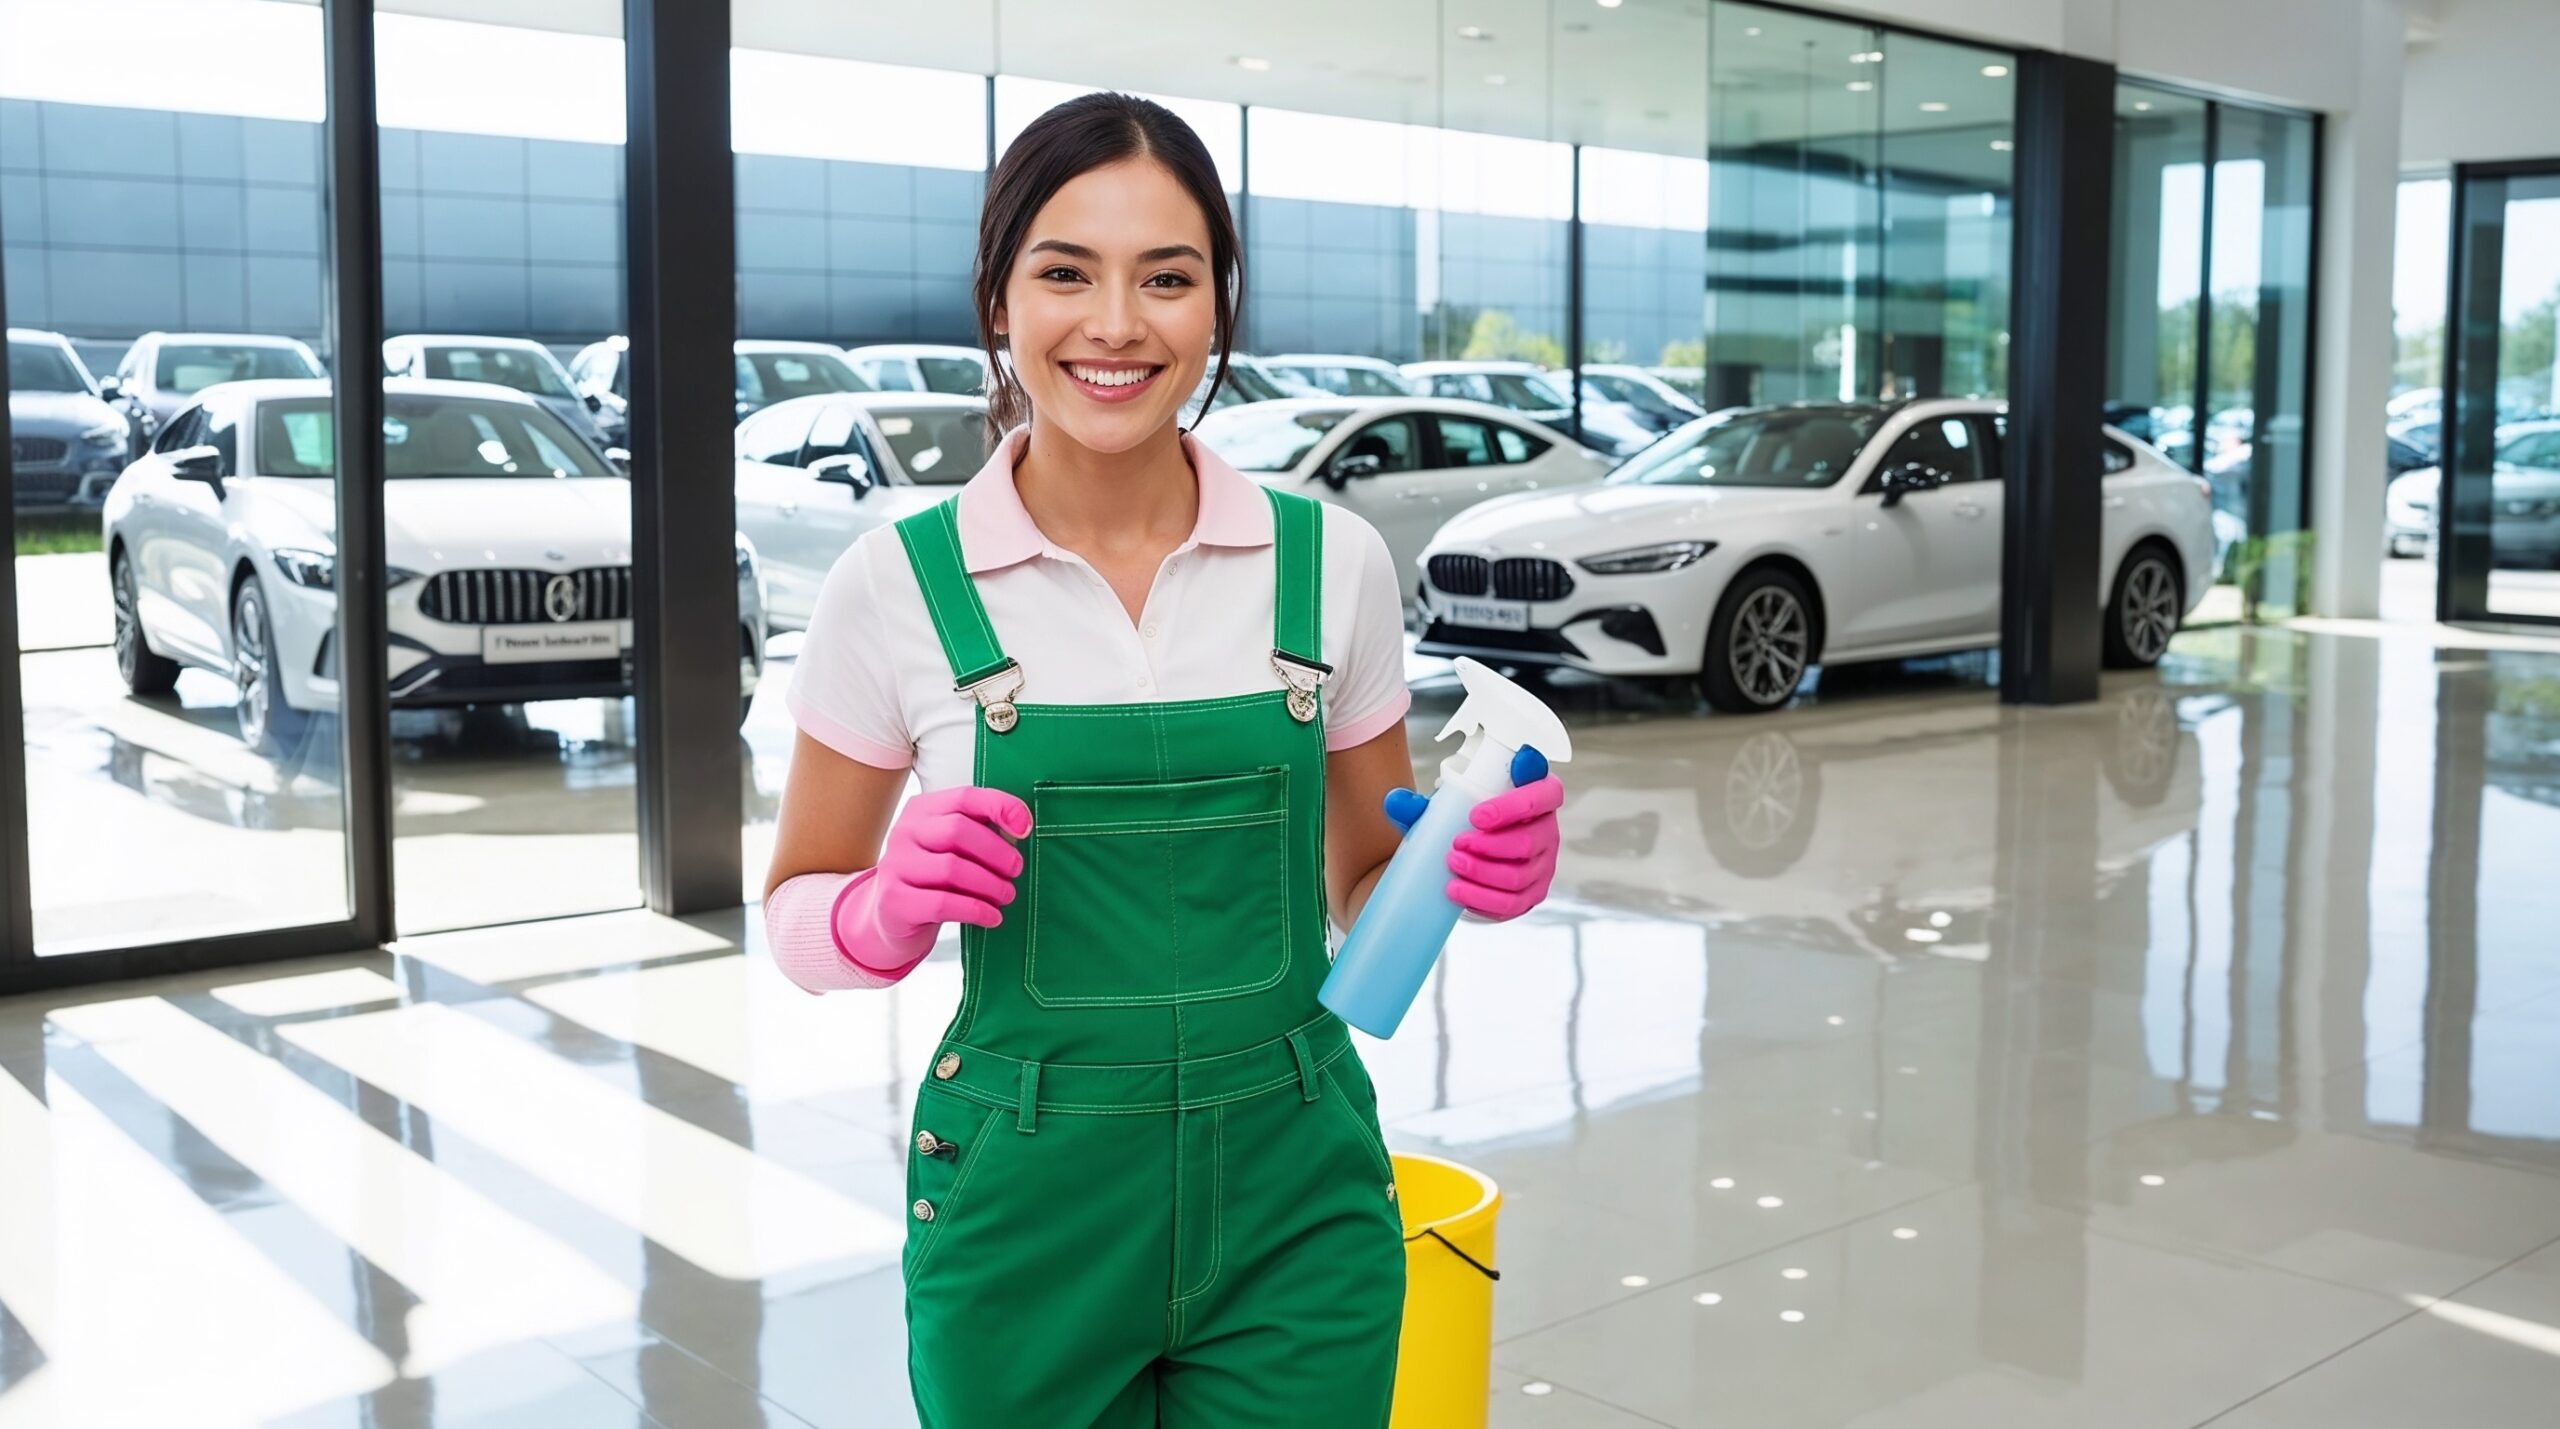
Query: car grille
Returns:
{"type": "Point", "coordinates": [1461, 575]}
{"type": "Point", "coordinates": [1511, 578]}
{"type": "Point", "coordinates": [37, 450]}
{"type": "Point", "coordinates": [526, 597]}
{"type": "Point", "coordinates": [1531, 578]}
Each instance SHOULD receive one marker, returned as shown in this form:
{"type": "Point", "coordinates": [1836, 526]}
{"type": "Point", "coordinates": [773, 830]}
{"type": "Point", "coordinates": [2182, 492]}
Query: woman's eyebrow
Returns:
{"type": "Point", "coordinates": [1152, 255]}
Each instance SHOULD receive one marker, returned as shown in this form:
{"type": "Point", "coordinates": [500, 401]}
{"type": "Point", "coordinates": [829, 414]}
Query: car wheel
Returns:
{"type": "Point", "coordinates": [2145, 610]}
{"type": "Point", "coordinates": [267, 724]}
{"type": "Point", "coordinates": [1760, 644]}
{"type": "Point", "coordinates": [144, 672]}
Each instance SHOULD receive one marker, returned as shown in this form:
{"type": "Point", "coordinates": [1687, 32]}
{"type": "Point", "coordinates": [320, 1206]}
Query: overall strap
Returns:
{"type": "Point", "coordinates": [932, 539]}
{"type": "Point", "coordinates": [1297, 614]}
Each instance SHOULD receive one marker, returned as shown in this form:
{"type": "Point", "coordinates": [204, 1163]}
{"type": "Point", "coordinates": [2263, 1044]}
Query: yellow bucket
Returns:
{"type": "Point", "coordinates": [1444, 1361]}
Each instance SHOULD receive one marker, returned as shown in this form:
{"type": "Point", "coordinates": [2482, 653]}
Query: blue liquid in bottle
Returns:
{"type": "Point", "coordinates": [1401, 928]}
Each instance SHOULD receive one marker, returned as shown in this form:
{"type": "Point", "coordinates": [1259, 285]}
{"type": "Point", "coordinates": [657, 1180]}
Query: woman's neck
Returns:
{"type": "Point", "coordinates": [1107, 502]}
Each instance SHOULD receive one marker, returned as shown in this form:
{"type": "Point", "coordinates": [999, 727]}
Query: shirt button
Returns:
{"type": "Point", "coordinates": [1151, 632]}
{"type": "Point", "coordinates": [1145, 683]}
{"type": "Point", "coordinates": [948, 1067]}
{"type": "Point", "coordinates": [928, 1143]}
{"type": "Point", "coordinates": [924, 1210]}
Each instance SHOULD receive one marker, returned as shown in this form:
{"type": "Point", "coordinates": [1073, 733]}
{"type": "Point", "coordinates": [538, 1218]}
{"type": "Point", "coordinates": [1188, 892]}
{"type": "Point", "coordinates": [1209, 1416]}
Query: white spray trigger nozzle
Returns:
{"type": "Point", "coordinates": [1498, 718]}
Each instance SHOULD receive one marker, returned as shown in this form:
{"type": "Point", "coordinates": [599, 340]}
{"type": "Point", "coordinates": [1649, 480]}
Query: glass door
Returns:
{"type": "Point", "coordinates": [2499, 526]}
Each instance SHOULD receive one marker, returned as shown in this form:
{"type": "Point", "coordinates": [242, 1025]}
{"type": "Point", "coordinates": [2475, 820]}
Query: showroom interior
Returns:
{"type": "Point", "coordinates": [2014, 1019]}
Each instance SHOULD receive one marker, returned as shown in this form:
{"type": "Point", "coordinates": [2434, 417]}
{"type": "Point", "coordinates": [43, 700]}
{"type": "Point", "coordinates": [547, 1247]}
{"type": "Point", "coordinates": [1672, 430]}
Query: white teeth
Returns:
{"type": "Point", "coordinates": [1110, 376]}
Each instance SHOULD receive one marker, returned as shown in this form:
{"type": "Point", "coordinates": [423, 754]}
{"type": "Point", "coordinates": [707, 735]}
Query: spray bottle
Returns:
{"type": "Point", "coordinates": [1409, 914]}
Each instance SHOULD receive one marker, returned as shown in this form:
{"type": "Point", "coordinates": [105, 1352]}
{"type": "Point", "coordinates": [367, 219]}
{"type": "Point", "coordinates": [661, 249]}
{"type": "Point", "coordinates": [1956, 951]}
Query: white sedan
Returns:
{"type": "Point", "coordinates": [814, 473]}
{"type": "Point", "coordinates": [1406, 464]}
{"type": "Point", "coordinates": [1750, 546]}
{"type": "Point", "coordinates": [508, 539]}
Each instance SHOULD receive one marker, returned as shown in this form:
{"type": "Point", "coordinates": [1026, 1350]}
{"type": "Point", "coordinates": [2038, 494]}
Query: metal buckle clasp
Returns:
{"type": "Point", "coordinates": [1304, 678]}
{"type": "Point", "coordinates": [999, 708]}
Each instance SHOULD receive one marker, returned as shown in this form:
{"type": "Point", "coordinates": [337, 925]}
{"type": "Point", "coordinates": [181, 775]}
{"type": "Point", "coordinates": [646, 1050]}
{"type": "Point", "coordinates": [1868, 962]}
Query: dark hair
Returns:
{"type": "Point", "coordinates": [1076, 137]}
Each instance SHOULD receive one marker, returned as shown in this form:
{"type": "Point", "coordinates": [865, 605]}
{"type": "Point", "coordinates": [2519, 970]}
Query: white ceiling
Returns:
{"type": "Point", "coordinates": [1630, 77]}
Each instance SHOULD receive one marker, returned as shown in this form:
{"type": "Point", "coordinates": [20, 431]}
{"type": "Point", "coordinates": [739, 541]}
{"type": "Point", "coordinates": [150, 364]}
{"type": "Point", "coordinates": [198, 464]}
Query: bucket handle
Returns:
{"type": "Point", "coordinates": [1488, 1271]}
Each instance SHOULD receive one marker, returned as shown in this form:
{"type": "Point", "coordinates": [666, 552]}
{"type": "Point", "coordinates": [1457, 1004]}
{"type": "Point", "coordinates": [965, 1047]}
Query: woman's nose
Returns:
{"type": "Point", "coordinates": [1115, 321]}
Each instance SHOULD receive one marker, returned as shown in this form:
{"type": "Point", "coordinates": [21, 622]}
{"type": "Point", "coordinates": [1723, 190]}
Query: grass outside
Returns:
{"type": "Point", "coordinates": [57, 535]}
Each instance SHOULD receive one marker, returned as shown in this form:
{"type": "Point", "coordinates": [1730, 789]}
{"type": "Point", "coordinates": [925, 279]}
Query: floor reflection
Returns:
{"type": "Point", "coordinates": [1898, 1058]}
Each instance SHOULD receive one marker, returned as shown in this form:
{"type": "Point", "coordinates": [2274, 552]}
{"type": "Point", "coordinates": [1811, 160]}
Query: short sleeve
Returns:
{"type": "Point", "coordinates": [844, 688]}
{"type": "Point", "coordinates": [1367, 695]}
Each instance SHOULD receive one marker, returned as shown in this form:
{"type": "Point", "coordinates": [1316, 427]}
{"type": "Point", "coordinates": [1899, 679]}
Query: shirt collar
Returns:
{"type": "Point", "coordinates": [996, 530]}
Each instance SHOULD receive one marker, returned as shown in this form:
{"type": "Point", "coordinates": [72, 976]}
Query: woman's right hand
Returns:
{"type": "Point", "coordinates": [949, 858]}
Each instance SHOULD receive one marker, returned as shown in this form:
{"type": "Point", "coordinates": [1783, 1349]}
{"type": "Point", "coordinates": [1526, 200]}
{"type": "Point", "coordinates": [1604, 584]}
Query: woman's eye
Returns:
{"type": "Point", "coordinates": [1061, 275]}
{"type": "Point", "coordinates": [1169, 280]}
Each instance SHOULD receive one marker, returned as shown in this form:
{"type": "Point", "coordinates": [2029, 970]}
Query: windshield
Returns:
{"type": "Point", "coordinates": [1368, 382]}
{"type": "Point", "coordinates": [1800, 449]}
{"type": "Point", "coordinates": [1249, 384]}
{"type": "Point", "coordinates": [194, 366]}
{"type": "Point", "coordinates": [939, 446]}
{"type": "Point", "coordinates": [43, 367]}
{"type": "Point", "coordinates": [524, 370]}
{"type": "Point", "coordinates": [1635, 394]}
{"type": "Point", "coordinates": [430, 437]}
{"type": "Point", "coordinates": [1524, 394]}
{"type": "Point", "coordinates": [768, 377]}
{"type": "Point", "coordinates": [959, 376]}
{"type": "Point", "coordinates": [1261, 439]}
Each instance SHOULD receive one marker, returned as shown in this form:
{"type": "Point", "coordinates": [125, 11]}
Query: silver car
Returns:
{"type": "Point", "coordinates": [163, 371]}
{"type": "Point", "coordinates": [65, 443]}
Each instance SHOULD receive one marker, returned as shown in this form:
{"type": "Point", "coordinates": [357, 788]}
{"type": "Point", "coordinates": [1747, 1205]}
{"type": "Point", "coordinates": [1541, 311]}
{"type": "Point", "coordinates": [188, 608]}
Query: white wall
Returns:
{"type": "Point", "coordinates": [2481, 82]}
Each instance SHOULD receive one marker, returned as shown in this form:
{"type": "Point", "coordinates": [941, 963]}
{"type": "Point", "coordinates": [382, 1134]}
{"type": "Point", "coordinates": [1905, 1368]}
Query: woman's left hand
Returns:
{"type": "Point", "coordinates": [1501, 867]}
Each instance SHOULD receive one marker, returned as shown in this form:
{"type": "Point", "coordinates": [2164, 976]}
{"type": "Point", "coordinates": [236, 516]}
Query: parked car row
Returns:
{"type": "Point", "coordinates": [1740, 549]}
{"type": "Point", "coordinates": [2523, 508]}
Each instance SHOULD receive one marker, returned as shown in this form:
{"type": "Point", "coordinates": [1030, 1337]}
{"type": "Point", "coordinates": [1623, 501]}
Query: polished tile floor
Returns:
{"type": "Point", "coordinates": [2188, 1057]}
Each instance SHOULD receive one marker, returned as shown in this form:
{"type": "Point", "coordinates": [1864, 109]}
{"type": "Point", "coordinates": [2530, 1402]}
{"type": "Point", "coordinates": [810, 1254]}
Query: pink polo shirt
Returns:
{"type": "Point", "coordinates": [872, 683]}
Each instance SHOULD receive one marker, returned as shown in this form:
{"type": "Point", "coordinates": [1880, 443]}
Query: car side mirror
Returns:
{"type": "Point", "coordinates": [1908, 478]}
{"type": "Point", "coordinates": [594, 402]}
{"type": "Point", "coordinates": [620, 457]}
{"type": "Point", "coordinates": [200, 463]}
{"type": "Point", "coordinates": [110, 388]}
{"type": "Point", "coordinates": [847, 469]}
{"type": "Point", "coordinates": [1346, 469]}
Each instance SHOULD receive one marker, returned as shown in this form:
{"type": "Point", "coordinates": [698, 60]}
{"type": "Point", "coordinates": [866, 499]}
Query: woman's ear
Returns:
{"type": "Point", "coordinates": [998, 324]}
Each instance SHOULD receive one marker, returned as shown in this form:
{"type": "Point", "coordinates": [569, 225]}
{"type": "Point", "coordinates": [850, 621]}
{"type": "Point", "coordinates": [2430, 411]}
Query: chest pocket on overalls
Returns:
{"type": "Point", "coordinates": [1158, 892]}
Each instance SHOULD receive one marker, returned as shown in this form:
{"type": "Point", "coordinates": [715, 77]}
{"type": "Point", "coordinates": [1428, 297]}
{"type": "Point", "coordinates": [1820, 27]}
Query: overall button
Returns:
{"type": "Point", "coordinates": [1391, 1190]}
{"type": "Point", "coordinates": [924, 1210]}
{"type": "Point", "coordinates": [928, 1143]}
{"type": "Point", "coordinates": [947, 1067]}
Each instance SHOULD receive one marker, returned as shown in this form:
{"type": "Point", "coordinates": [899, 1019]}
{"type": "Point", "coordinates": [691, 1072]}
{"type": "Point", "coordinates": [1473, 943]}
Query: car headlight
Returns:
{"type": "Point", "coordinates": [1646, 560]}
{"type": "Point", "coordinates": [317, 570]}
{"type": "Point", "coordinates": [105, 434]}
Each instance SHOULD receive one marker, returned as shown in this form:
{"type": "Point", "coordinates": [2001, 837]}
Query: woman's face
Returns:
{"type": "Point", "coordinates": [1110, 311]}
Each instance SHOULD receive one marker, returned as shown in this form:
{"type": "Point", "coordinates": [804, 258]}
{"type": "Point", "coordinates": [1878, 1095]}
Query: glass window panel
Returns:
{"type": "Point", "coordinates": [175, 630]}
{"type": "Point", "coordinates": [2502, 513]}
{"type": "Point", "coordinates": [1948, 155]}
{"type": "Point", "coordinates": [2256, 349]}
{"type": "Point", "coordinates": [2158, 268]}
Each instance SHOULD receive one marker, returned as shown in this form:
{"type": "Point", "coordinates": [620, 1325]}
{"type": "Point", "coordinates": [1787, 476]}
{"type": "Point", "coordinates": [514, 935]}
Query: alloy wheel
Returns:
{"type": "Point", "coordinates": [1763, 790]}
{"type": "Point", "coordinates": [249, 664]}
{"type": "Point", "coordinates": [128, 624]}
{"type": "Point", "coordinates": [2150, 609]}
{"type": "Point", "coordinates": [1771, 639]}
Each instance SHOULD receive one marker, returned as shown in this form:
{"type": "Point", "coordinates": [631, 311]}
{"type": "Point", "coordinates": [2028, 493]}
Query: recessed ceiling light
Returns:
{"type": "Point", "coordinates": [2144, 105]}
{"type": "Point", "coordinates": [1859, 86]}
{"type": "Point", "coordinates": [1995, 71]}
{"type": "Point", "coordinates": [1795, 1272]}
{"type": "Point", "coordinates": [1707, 1297]}
{"type": "Point", "coordinates": [1722, 1183]}
{"type": "Point", "coordinates": [1611, 4]}
{"type": "Point", "coordinates": [1256, 63]}
{"type": "Point", "coordinates": [1770, 1203]}
{"type": "Point", "coordinates": [2001, 146]}
{"type": "Point", "coordinates": [1792, 1317]}
{"type": "Point", "coordinates": [1634, 1282]}
{"type": "Point", "coordinates": [1497, 79]}
{"type": "Point", "coordinates": [1537, 1386]}
{"type": "Point", "coordinates": [1933, 106]}
{"type": "Point", "coordinates": [1905, 1233]}
{"type": "Point", "coordinates": [1753, 31]}
{"type": "Point", "coordinates": [2155, 1180]}
{"type": "Point", "coordinates": [1474, 32]}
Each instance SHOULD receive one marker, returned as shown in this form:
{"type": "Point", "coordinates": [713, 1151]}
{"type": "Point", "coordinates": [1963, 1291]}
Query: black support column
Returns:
{"type": "Point", "coordinates": [355, 342]}
{"type": "Point", "coordinates": [679, 197]}
{"type": "Point", "coordinates": [2049, 602]}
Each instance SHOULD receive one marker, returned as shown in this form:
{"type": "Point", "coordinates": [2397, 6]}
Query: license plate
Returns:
{"type": "Point", "coordinates": [570, 640]}
{"type": "Point", "coordinates": [1486, 614]}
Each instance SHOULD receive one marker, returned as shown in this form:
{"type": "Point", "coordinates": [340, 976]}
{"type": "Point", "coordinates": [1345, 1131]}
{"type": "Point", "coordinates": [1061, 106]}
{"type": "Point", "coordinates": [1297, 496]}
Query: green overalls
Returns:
{"type": "Point", "coordinates": [1147, 1184]}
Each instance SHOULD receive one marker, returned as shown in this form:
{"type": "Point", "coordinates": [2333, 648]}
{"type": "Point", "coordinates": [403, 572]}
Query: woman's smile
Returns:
{"type": "Point", "coordinates": [1110, 379]}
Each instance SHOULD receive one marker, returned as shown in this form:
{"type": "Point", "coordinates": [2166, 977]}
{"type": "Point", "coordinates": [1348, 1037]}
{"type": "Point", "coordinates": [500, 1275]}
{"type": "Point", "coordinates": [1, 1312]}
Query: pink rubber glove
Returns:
{"type": "Point", "coordinates": [1501, 868]}
{"type": "Point", "coordinates": [948, 859]}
